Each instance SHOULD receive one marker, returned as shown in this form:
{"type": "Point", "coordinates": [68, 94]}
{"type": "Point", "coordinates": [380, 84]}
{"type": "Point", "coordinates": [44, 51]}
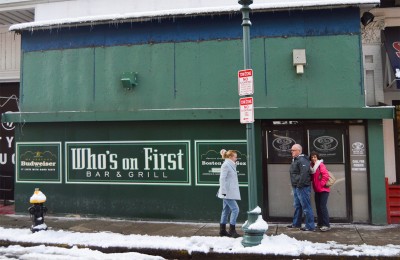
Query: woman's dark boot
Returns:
{"type": "Point", "coordinates": [232, 231]}
{"type": "Point", "coordinates": [222, 230]}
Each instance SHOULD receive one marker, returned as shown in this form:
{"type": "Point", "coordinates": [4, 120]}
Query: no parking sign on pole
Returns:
{"type": "Point", "coordinates": [246, 110]}
{"type": "Point", "coordinates": [245, 82]}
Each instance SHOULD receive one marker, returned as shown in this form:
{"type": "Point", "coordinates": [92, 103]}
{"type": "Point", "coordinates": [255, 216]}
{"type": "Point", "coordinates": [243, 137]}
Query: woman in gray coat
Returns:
{"type": "Point", "coordinates": [229, 193]}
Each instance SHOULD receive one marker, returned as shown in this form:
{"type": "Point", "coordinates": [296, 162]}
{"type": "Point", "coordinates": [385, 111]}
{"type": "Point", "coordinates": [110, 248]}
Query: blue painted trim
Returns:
{"type": "Point", "coordinates": [196, 28]}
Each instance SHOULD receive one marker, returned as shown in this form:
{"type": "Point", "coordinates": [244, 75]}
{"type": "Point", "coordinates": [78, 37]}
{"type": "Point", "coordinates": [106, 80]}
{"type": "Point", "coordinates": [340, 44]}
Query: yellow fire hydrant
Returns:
{"type": "Point", "coordinates": [37, 211]}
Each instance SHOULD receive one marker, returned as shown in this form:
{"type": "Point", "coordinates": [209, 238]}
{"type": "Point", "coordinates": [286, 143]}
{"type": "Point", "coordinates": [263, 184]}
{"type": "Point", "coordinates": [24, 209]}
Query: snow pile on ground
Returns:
{"type": "Point", "coordinates": [275, 245]}
{"type": "Point", "coordinates": [56, 253]}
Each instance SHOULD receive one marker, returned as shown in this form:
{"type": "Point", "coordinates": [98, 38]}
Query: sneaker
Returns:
{"type": "Point", "coordinates": [306, 229]}
{"type": "Point", "coordinates": [294, 227]}
{"type": "Point", "coordinates": [325, 228]}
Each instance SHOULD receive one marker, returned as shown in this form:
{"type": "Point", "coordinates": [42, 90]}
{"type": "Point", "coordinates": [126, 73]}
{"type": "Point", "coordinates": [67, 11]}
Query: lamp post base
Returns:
{"type": "Point", "coordinates": [253, 232]}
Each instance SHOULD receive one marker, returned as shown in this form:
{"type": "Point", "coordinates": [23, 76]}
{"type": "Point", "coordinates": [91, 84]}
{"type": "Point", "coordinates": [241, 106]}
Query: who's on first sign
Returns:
{"type": "Point", "coordinates": [245, 82]}
{"type": "Point", "coordinates": [246, 110]}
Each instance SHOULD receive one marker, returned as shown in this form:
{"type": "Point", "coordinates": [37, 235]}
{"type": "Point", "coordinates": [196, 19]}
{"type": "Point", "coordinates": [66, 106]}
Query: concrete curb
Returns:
{"type": "Point", "coordinates": [184, 254]}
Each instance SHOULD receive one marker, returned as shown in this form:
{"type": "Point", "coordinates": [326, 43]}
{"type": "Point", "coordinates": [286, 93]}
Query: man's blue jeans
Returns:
{"type": "Point", "coordinates": [302, 204]}
{"type": "Point", "coordinates": [229, 206]}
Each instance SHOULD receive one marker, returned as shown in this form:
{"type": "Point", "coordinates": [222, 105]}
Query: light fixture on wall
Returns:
{"type": "Point", "coordinates": [367, 18]}
{"type": "Point", "coordinates": [299, 60]}
{"type": "Point", "coordinates": [129, 80]}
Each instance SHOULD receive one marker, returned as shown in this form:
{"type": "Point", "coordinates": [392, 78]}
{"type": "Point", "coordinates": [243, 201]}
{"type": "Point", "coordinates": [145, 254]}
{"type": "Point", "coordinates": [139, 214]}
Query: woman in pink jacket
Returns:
{"type": "Point", "coordinates": [319, 179]}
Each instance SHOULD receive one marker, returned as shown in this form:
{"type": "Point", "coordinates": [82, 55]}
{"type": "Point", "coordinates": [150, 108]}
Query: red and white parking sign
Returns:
{"type": "Point", "coordinates": [246, 110]}
{"type": "Point", "coordinates": [245, 82]}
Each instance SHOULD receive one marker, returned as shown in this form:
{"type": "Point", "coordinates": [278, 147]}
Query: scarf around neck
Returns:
{"type": "Point", "coordinates": [316, 165]}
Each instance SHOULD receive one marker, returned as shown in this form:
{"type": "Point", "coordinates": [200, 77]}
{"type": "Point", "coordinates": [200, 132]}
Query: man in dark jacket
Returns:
{"type": "Point", "coordinates": [301, 183]}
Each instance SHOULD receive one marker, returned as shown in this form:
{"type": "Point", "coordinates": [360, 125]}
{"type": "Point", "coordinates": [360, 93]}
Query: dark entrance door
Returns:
{"type": "Point", "coordinates": [329, 140]}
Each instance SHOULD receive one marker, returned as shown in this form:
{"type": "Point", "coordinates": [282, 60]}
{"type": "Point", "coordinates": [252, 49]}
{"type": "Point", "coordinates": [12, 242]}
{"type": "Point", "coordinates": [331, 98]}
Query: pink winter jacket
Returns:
{"type": "Point", "coordinates": [320, 177]}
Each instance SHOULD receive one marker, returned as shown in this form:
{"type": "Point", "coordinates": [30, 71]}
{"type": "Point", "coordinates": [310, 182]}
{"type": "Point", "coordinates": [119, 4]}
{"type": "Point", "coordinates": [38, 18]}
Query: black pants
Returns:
{"type": "Point", "coordinates": [321, 200]}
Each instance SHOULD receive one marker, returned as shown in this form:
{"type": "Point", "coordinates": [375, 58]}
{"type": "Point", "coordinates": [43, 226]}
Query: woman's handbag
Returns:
{"type": "Point", "coordinates": [330, 181]}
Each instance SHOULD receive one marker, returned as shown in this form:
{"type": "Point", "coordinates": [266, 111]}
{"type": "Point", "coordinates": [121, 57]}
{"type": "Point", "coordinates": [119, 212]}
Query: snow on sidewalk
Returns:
{"type": "Point", "coordinates": [56, 253]}
{"type": "Point", "coordinates": [272, 245]}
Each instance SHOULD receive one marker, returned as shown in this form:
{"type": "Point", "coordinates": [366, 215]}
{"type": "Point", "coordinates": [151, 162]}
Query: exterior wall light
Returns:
{"type": "Point", "coordinates": [129, 80]}
{"type": "Point", "coordinates": [367, 18]}
{"type": "Point", "coordinates": [299, 60]}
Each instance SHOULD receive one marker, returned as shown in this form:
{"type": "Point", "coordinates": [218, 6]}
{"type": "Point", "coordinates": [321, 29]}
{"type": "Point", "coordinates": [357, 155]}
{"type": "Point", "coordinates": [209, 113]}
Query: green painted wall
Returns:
{"type": "Point", "coordinates": [377, 172]}
{"type": "Point", "coordinates": [135, 201]}
{"type": "Point", "coordinates": [331, 77]}
{"type": "Point", "coordinates": [57, 80]}
{"type": "Point", "coordinates": [193, 75]}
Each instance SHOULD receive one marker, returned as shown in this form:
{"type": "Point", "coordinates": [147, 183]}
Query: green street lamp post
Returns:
{"type": "Point", "coordinates": [254, 228]}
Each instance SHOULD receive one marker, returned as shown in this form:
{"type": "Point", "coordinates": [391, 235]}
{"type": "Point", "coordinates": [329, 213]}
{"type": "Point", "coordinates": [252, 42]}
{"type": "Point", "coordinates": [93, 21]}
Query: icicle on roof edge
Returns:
{"type": "Point", "coordinates": [143, 16]}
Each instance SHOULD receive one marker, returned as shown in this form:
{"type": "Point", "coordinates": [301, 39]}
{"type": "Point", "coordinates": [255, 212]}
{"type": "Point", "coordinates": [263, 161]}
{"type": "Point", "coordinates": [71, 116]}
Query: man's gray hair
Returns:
{"type": "Point", "coordinates": [299, 147]}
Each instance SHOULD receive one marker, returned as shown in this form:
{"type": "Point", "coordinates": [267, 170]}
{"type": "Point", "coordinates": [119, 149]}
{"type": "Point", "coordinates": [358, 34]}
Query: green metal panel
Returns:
{"type": "Point", "coordinates": [332, 76]}
{"type": "Point", "coordinates": [193, 75]}
{"type": "Point", "coordinates": [154, 65]}
{"type": "Point", "coordinates": [206, 73]}
{"type": "Point", "coordinates": [284, 87]}
{"type": "Point", "coordinates": [377, 172]}
{"type": "Point", "coordinates": [58, 80]}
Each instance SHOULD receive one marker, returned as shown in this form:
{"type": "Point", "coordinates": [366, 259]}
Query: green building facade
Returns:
{"type": "Point", "coordinates": [127, 119]}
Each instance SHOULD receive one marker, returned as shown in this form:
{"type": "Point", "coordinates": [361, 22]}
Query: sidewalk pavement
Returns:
{"type": "Point", "coordinates": [350, 234]}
